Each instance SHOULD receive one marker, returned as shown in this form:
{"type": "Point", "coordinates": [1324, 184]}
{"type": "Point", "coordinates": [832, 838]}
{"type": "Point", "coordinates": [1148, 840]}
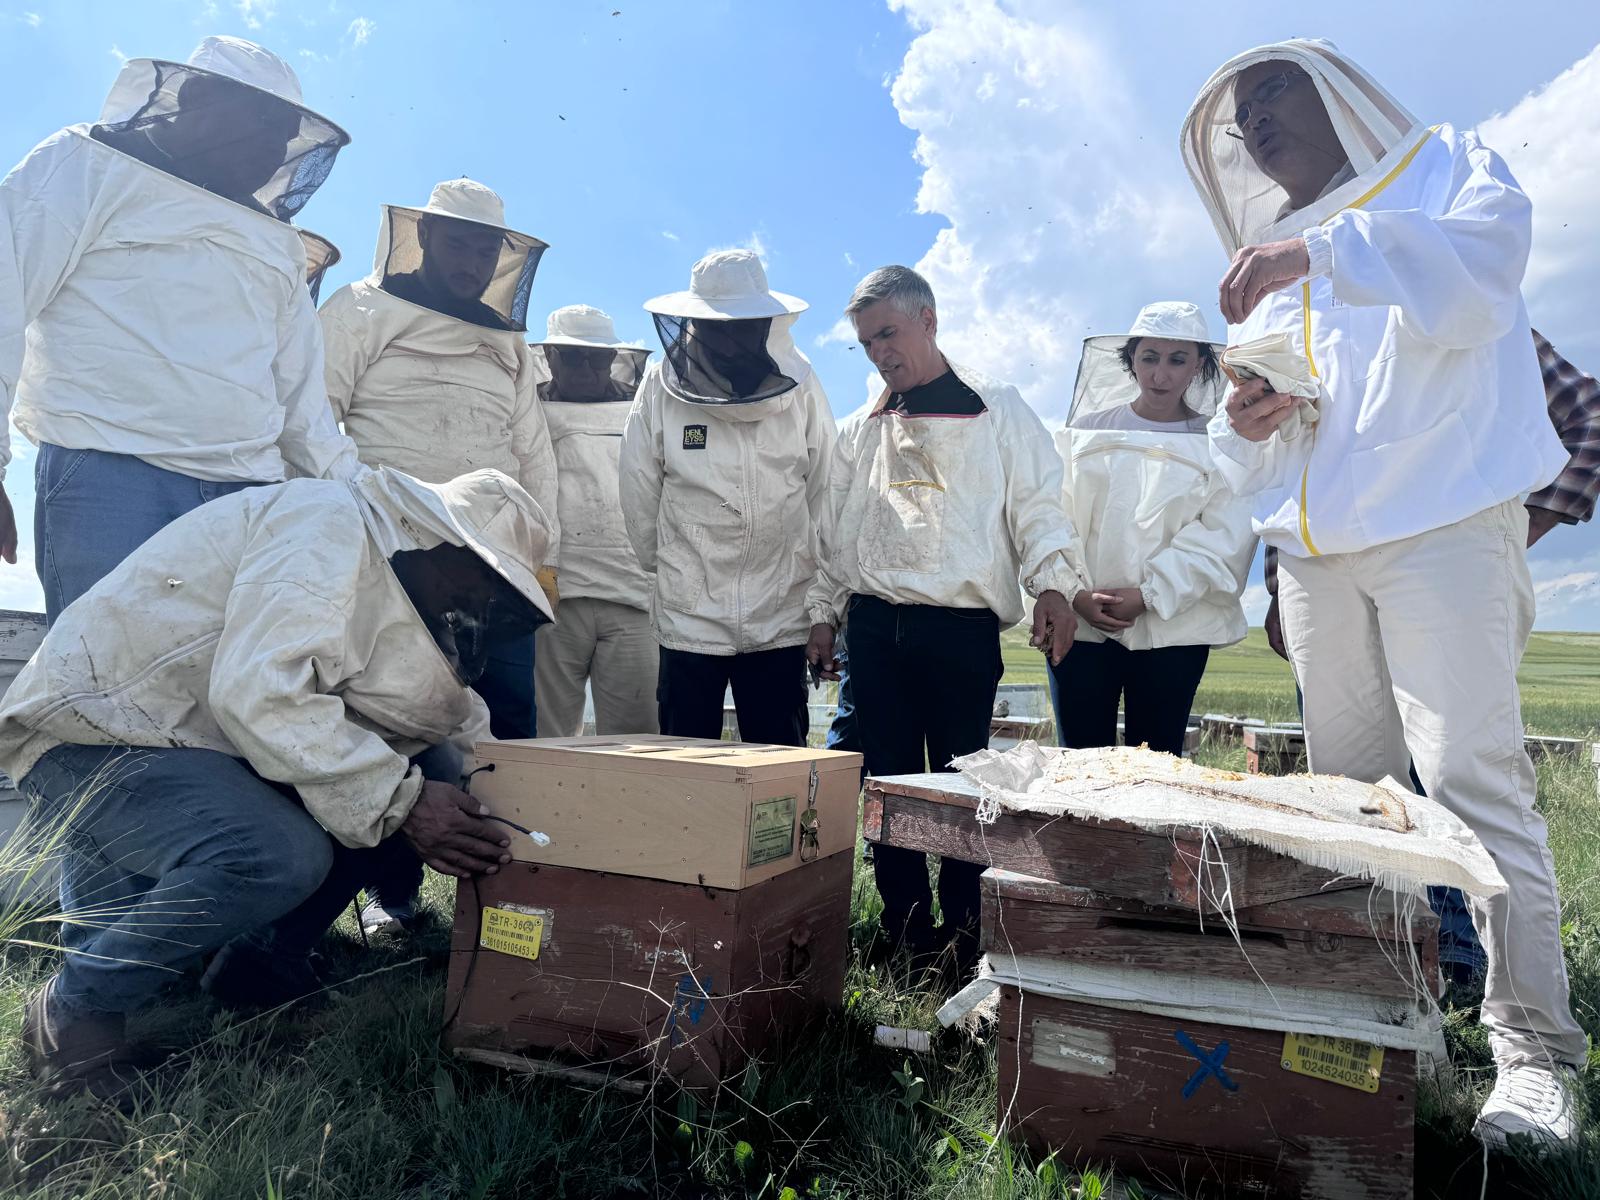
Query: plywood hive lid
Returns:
{"type": "Point", "coordinates": [658, 754]}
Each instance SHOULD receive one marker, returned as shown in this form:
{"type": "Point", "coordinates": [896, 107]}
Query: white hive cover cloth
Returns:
{"type": "Point", "coordinates": [1380, 832]}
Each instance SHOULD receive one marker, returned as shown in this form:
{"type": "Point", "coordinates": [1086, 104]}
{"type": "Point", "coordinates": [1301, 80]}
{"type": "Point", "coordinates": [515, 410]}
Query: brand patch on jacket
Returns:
{"type": "Point", "coordinates": [694, 437]}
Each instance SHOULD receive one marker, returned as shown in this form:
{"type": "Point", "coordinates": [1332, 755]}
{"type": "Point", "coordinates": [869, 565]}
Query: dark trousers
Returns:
{"type": "Point", "coordinates": [1156, 688]}
{"type": "Point", "coordinates": [769, 694]}
{"type": "Point", "coordinates": [923, 681]}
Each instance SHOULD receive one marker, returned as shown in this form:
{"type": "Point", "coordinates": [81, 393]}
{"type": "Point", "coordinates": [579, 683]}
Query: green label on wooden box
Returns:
{"type": "Point", "coordinates": [771, 830]}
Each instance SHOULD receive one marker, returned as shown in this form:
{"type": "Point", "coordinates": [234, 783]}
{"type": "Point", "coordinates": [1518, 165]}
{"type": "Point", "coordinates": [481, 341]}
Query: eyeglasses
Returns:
{"type": "Point", "coordinates": [1265, 92]}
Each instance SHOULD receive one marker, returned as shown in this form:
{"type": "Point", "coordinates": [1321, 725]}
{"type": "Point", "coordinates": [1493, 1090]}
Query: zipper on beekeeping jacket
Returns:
{"type": "Point", "coordinates": [1157, 452]}
{"type": "Point", "coordinates": [1305, 474]}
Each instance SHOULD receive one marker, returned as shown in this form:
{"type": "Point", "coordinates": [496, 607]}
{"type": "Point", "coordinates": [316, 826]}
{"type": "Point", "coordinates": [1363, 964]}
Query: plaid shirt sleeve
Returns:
{"type": "Point", "coordinates": [1574, 400]}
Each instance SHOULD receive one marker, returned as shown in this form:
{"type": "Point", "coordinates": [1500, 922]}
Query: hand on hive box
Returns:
{"type": "Point", "coordinates": [1053, 626]}
{"type": "Point", "coordinates": [819, 652]}
{"type": "Point", "coordinates": [447, 831]}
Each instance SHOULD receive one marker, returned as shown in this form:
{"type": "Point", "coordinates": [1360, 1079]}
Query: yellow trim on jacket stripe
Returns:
{"type": "Point", "coordinates": [1305, 308]}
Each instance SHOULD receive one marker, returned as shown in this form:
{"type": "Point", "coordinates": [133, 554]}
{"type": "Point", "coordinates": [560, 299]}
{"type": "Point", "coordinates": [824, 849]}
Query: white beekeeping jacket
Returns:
{"type": "Point", "coordinates": [722, 503]}
{"type": "Point", "coordinates": [587, 387]}
{"type": "Point", "coordinates": [959, 512]}
{"type": "Point", "coordinates": [432, 383]}
{"type": "Point", "coordinates": [1411, 319]}
{"type": "Point", "coordinates": [432, 395]}
{"type": "Point", "coordinates": [1147, 505]}
{"type": "Point", "coordinates": [269, 626]}
{"type": "Point", "coordinates": [141, 313]}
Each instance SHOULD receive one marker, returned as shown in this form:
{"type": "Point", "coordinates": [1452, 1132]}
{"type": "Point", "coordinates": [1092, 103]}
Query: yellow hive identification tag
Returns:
{"type": "Point", "coordinates": [512, 931]}
{"type": "Point", "coordinates": [1344, 1061]}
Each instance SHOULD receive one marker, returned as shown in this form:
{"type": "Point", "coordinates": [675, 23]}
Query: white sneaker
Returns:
{"type": "Point", "coordinates": [1533, 1101]}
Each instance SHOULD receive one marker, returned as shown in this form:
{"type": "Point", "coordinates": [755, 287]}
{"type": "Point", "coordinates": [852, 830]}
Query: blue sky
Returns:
{"type": "Point", "coordinates": [1023, 153]}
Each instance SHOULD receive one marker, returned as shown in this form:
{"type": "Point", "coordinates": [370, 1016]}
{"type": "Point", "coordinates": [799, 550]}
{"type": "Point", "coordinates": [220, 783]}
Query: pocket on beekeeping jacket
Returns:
{"type": "Point", "coordinates": [681, 567]}
{"type": "Point", "coordinates": [905, 519]}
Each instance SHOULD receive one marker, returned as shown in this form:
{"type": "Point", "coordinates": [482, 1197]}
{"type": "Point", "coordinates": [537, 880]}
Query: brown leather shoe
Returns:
{"type": "Point", "coordinates": [90, 1054]}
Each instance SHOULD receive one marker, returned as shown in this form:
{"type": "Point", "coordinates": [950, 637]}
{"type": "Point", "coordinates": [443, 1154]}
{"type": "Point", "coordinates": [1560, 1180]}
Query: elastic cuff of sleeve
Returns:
{"type": "Point", "coordinates": [822, 615]}
{"type": "Point", "coordinates": [1319, 250]}
{"type": "Point", "coordinates": [1148, 595]}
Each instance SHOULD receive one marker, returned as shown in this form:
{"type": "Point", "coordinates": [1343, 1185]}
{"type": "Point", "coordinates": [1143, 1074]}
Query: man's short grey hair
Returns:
{"type": "Point", "coordinates": [900, 286]}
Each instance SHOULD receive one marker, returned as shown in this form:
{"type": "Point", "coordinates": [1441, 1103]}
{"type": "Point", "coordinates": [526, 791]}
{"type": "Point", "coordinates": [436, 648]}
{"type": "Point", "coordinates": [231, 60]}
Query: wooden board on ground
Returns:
{"type": "Point", "coordinates": [722, 814]}
{"type": "Point", "coordinates": [640, 977]}
{"type": "Point", "coordinates": [1352, 940]}
{"type": "Point", "coordinates": [936, 813]}
{"type": "Point", "coordinates": [1199, 1109]}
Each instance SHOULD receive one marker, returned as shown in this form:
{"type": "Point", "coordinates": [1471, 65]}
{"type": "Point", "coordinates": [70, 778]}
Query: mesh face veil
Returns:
{"type": "Point", "coordinates": [467, 269]}
{"type": "Point", "coordinates": [1106, 383]}
{"type": "Point", "coordinates": [589, 374]}
{"type": "Point", "coordinates": [320, 255]}
{"type": "Point", "coordinates": [718, 361]}
{"type": "Point", "coordinates": [242, 142]}
{"type": "Point", "coordinates": [1284, 136]}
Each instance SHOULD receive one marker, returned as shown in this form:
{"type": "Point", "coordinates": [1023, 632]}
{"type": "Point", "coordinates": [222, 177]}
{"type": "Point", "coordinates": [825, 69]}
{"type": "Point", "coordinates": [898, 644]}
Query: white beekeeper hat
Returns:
{"type": "Point", "coordinates": [1104, 382]}
{"type": "Point", "coordinates": [146, 94]}
{"type": "Point", "coordinates": [727, 285]}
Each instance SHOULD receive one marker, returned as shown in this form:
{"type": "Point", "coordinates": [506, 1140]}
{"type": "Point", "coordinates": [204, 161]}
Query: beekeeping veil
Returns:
{"type": "Point", "coordinates": [320, 255]}
{"type": "Point", "coordinates": [1239, 171]}
{"type": "Point", "coordinates": [728, 338]}
{"type": "Point", "coordinates": [1105, 381]}
{"type": "Point", "coordinates": [582, 362]}
{"type": "Point", "coordinates": [229, 120]}
{"type": "Point", "coordinates": [456, 256]}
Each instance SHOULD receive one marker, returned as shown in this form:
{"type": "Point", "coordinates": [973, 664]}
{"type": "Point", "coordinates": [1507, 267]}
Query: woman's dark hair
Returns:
{"type": "Point", "coordinates": [1209, 368]}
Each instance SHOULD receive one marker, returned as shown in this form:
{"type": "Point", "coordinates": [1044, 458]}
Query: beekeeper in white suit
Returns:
{"type": "Point", "coordinates": [724, 470]}
{"type": "Point", "coordinates": [155, 329]}
{"type": "Point", "coordinates": [1394, 254]}
{"type": "Point", "coordinates": [1164, 543]}
{"type": "Point", "coordinates": [271, 669]}
{"type": "Point", "coordinates": [428, 369]}
{"type": "Point", "coordinates": [944, 505]}
{"type": "Point", "coordinates": [588, 380]}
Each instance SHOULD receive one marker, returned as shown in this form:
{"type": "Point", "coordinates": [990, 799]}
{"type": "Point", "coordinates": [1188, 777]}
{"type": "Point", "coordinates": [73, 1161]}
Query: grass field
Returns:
{"type": "Point", "coordinates": [354, 1100]}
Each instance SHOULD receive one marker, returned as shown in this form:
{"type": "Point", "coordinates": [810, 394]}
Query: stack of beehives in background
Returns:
{"type": "Point", "coordinates": [1105, 939]}
{"type": "Point", "coordinates": [690, 909]}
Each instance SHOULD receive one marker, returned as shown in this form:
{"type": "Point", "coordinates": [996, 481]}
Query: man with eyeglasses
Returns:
{"type": "Point", "coordinates": [1391, 256]}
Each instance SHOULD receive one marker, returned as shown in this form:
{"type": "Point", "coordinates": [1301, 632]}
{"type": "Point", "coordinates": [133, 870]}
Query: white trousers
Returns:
{"type": "Point", "coordinates": [612, 647]}
{"type": "Point", "coordinates": [1408, 652]}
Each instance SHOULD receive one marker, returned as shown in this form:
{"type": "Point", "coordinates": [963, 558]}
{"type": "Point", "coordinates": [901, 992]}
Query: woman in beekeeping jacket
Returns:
{"type": "Point", "coordinates": [1165, 543]}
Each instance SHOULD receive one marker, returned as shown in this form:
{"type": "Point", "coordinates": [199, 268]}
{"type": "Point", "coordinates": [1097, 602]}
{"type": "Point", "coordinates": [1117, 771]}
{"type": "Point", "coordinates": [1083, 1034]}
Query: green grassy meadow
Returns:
{"type": "Point", "coordinates": [353, 1098]}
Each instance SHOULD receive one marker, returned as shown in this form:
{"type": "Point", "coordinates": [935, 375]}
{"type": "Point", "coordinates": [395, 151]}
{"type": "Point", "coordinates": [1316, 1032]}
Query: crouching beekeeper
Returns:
{"type": "Point", "coordinates": [256, 677]}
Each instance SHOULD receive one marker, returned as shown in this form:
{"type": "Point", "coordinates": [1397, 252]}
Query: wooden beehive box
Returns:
{"type": "Point", "coordinates": [718, 814]}
{"type": "Point", "coordinates": [937, 813]}
{"type": "Point", "coordinates": [20, 635]}
{"type": "Point", "coordinates": [1200, 1109]}
{"type": "Point", "coordinates": [737, 939]}
{"type": "Point", "coordinates": [1342, 940]}
{"type": "Point", "coordinates": [1274, 750]}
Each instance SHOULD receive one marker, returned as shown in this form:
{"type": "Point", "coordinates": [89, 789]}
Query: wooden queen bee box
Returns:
{"type": "Point", "coordinates": [691, 907]}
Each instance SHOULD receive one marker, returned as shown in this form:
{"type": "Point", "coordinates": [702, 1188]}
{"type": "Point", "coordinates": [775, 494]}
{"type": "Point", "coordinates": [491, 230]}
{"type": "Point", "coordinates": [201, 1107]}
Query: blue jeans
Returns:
{"type": "Point", "coordinates": [507, 688]}
{"type": "Point", "coordinates": [842, 734]}
{"type": "Point", "coordinates": [92, 509]}
{"type": "Point", "coordinates": [171, 853]}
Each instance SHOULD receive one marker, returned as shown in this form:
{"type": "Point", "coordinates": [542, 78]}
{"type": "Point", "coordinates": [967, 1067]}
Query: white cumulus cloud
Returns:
{"type": "Point", "coordinates": [360, 30]}
{"type": "Point", "coordinates": [31, 18]}
{"type": "Point", "coordinates": [255, 12]}
{"type": "Point", "coordinates": [1063, 218]}
{"type": "Point", "coordinates": [1548, 139]}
